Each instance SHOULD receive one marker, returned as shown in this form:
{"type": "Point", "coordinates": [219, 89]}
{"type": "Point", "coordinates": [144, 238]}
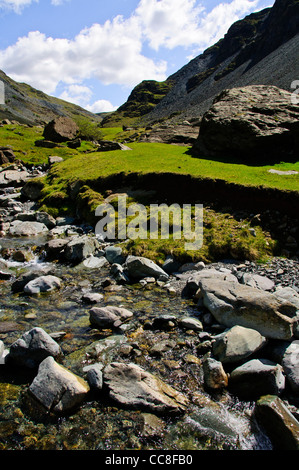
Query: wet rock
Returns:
{"type": "Point", "coordinates": [190, 323]}
{"type": "Point", "coordinates": [279, 423]}
{"type": "Point", "coordinates": [19, 284]}
{"type": "Point", "coordinates": [32, 348]}
{"type": "Point", "coordinates": [237, 344]}
{"type": "Point", "coordinates": [27, 229]}
{"type": "Point", "coordinates": [114, 255]}
{"type": "Point", "coordinates": [256, 378]}
{"type": "Point", "coordinates": [153, 426]}
{"type": "Point", "coordinates": [109, 317]}
{"type": "Point", "coordinates": [164, 322]}
{"type": "Point", "coordinates": [94, 374]}
{"type": "Point", "coordinates": [55, 248]}
{"type": "Point", "coordinates": [42, 284]}
{"type": "Point", "coordinates": [56, 388]}
{"type": "Point", "coordinates": [95, 262]}
{"type": "Point", "coordinates": [46, 219]}
{"type": "Point", "coordinates": [139, 267]}
{"type": "Point", "coordinates": [92, 298]}
{"type": "Point", "coordinates": [236, 304]}
{"type": "Point", "coordinates": [215, 377]}
{"type": "Point", "coordinates": [80, 248]}
{"type": "Point", "coordinates": [132, 386]}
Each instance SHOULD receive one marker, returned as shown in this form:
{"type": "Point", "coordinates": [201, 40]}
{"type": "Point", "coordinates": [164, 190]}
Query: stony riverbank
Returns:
{"type": "Point", "coordinates": [105, 351]}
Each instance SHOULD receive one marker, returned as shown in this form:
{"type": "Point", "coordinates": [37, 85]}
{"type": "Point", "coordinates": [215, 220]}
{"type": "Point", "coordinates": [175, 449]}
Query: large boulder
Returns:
{"type": "Point", "coordinates": [233, 304]}
{"type": "Point", "coordinates": [132, 386]}
{"type": "Point", "coordinates": [109, 317]}
{"type": "Point", "coordinates": [56, 388]}
{"type": "Point", "coordinates": [80, 248]}
{"type": "Point", "coordinates": [27, 229]}
{"type": "Point", "coordinates": [61, 129]}
{"type": "Point", "coordinates": [42, 284]}
{"type": "Point", "coordinates": [256, 121]}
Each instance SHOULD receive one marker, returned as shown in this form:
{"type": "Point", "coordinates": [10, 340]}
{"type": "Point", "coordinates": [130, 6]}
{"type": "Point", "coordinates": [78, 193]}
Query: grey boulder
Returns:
{"type": "Point", "coordinates": [42, 284]}
{"type": "Point", "coordinates": [139, 267]}
{"type": "Point", "coordinates": [109, 317]}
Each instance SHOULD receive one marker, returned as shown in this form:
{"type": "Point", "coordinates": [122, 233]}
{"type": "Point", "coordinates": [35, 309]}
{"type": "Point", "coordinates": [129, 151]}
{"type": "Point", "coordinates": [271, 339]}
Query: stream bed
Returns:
{"type": "Point", "coordinates": [212, 422]}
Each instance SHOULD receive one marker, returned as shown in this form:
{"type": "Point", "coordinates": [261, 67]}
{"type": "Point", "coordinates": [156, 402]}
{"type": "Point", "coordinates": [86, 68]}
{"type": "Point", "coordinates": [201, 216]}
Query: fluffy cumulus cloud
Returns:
{"type": "Point", "coordinates": [113, 52]}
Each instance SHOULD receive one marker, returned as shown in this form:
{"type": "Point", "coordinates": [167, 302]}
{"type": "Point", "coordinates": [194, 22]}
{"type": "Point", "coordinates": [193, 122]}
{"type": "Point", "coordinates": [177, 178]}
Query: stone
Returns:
{"type": "Point", "coordinates": [61, 129]}
{"type": "Point", "coordinates": [132, 386]}
{"type": "Point", "coordinates": [42, 284]}
{"type": "Point", "coordinates": [256, 378]}
{"type": "Point", "coordinates": [108, 145]}
{"type": "Point", "coordinates": [170, 265]}
{"type": "Point", "coordinates": [290, 364]}
{"type": "Point", "coordinates": [13, 177]}
{"type": "Point", "coordinates": [215, 377]}
{"type": "Point", "coordinates": [193, 282]}
{"type": "Point", "coordinates": [257, 281]}
{"type": "Point", "coordinates": [288, 294]}
{"type": "Point", "coordinates": [32, 348]}
{"type": "Point", "coordinates": [95, 262]}
{"type": "Point", "coordinates": [94, 375]}
{"type": "Point", "coordinates": [280, 424]}
{"type": "Point", "coordinates": [190, 323]}
{"type": "Point", "coordinates": [138, 267]}
{"type": "Point", "coordinates": [46, 219]}
{"type": "Point", "coordinates": [237, 344]}
{"type": "Point", "coordinates": [55, 248]}
{"type": "Point", "coordinates": [56, 388]}
{"type": "Point", "coordinates": [19, 284]}
{"type": "Point", "coordinates": [109, 316]}
{"type": "Point", "coordinates": [114, 255]}
{"type": "Point", "coordinates": [233, 304]}
{"type": "Point", "coordinates": [54, 159]}
{"type": "Point", "coordinates": [80, 248]}
{"type": "Point", "coordinates": [253, 122]}
{"type": "Point", "coordinates": [27, 229]}
{"type": "Point", "coordinates": [92, 298]}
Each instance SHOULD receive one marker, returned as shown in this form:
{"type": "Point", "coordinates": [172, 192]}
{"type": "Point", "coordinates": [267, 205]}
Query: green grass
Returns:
{"type": "Point", "coordinates": [159, 158]}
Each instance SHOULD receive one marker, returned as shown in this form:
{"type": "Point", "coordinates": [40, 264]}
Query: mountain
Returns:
{"type": "Point", "coordinates": [261, 49]}
{"type": "Point", "coordinates": [27, 105]}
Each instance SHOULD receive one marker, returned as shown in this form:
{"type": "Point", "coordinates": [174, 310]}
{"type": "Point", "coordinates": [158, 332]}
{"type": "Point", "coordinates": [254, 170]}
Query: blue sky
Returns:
{"type": "Point", "coordinates": [93, 52]}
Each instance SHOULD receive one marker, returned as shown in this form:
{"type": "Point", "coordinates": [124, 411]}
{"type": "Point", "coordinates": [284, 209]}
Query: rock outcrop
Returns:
{"type": "Point", "coordinates": [252, 123]}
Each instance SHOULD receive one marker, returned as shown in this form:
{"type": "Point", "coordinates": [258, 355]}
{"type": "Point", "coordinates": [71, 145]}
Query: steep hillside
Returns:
{"type": "Point", "coordinates": [261, 49]}
{"type": "Point", "coordinates": [30, 106]}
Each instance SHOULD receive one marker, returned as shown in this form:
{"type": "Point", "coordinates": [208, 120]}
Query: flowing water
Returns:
{"type": "Point", "coordinates": [212, 422]}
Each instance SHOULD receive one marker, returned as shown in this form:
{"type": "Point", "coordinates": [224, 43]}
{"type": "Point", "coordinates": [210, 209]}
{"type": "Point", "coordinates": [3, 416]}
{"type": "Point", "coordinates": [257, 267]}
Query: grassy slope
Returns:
{"type": "Point", "coordinates": [223, 235]}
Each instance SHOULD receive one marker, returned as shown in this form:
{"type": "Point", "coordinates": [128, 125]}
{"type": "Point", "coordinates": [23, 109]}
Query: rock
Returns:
{"type": "Point", "coordinates": [95, 375]}
{"type": "Point", "coordinates": [256, 378]}
{"type": "Point", "coordinates": [55, 248]}
{"type": "Point", "coordinates": [21, 281]}
{"type": "Point", "coordinates": [108, 145]}
{"type": "Point", "coordinates": [61, 129]}
{"type": "Point", "coordinates": [153, 426]}
{"type": "Point", "coordinates": [92, 298]}
{"type": "Point", "coordinates": [233, 304]}
{"type": "Point", "coordinates": [164, 322]}
{"type": "Point", "coordinates": [46, 219]}
{"type": "Point", "coordinates": [237, 344]}
{"type": "Point", "coordinates": [74, 144]}
{"type": "Point", "coordinates": [95, 262]}
{"type": "Point", "coordinates": [54, 159]}
{"type": "Point", "coordinates": [192, 267]}
{"type": "Point", "coordinates": [288, 294]}
{"type": "Point", "coordinates": [13, 177]}
{"type": "Point", "coordinates": [48, 144]}
{"type": "Point", "coordinates": [255, 121]}
{"type": "Point", "coordinates": [56, 388]}
{"type": "Point", "coordinates": [215, 377]}
{"type": "Point", "coordinates": [290, 364]}
{"type": "Point", "coordinates": [257, 281]}
{"type": "Point", "coordinates": [190, 323]}
{"type": "Point", "coordinates": [32, 348]}
{"type": "Point", "coordinates": [109, 317]}
{"type": "Point", "coordinates": [6, 155]}
{"type": "Point", "coordinates": [172, 134]}
{"type": "Point", "coordinates": [170, 265]}
{"type": "Point", "coordinates": [117, 271]}
{"type": "Point", "coordinates": [132, 386]}
{"type": "Point", "coordinates": [114, 255]}
{"type": "Point", "coordinates": [193, 281]}
{"type": "Point", "coordinates": [279, 423]}
{"type": "Point", "coordinates": [138, 267]}
{"type": "Point", "coordinates": [27, 229]}
{"type": "Point", "coordinates": [42, 284]}
{"type": "Point", "coordinates": [80, 248]}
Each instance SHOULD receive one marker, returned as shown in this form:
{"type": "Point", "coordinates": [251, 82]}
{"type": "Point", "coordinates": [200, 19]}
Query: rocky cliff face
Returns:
{"type": "Point", "coordinates": [261, 49]}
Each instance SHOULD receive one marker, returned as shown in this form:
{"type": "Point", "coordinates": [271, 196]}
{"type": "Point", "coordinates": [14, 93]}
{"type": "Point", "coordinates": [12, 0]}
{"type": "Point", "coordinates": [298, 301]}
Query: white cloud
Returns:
{"type": "Point", "coordinates": [101, 106]}
{"type": "Point", "coordinates": [112, 53]}
{"type": "Point", "coordinates": [15, 5]}
{"type": "Point", "coordinates": [172, 23]}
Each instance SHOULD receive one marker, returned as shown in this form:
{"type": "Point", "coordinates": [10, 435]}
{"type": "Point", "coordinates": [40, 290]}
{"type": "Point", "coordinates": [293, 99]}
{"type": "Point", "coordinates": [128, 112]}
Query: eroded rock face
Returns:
{"type": "Point", "coordinates": [254, 122]}
{"type": "Point", "coordinates": [132, 386]}
{"type": "Point", "coordinates": [61, 129]}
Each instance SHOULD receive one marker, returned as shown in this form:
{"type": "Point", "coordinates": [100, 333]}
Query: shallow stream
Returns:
{"type": "Point", "coordinates": [211, 422]}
